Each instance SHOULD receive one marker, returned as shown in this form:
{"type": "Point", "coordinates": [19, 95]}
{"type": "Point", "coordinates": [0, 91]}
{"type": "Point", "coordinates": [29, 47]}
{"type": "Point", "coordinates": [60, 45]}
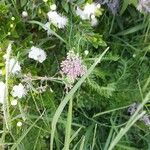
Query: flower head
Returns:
{"type": "Point", "coordinates": [24, 14]}
{"type": "Point", "coordinates": [18, 91]}
{"type": "Point", "coordinates": [132, 108]}
{"type": "Point", "coordinates": [113, 5]}
{"type": "Point", "coordinates": [146, 119]}
{"type": "Point", "coordinates": [37, 54]}
{"type": "Point", "coordinates": [19, 124]}
{"type": "Point", "coordinates": [57, 19]}
{"type": "Point", "coordinates": [14, 66]}
{"type": "Point", "coordinates": [73, 67]}
{"type": "Point", "coordinates": [144, 5]}
{"type": "Point", "coordinates": [53, 7]}
{"type": "Point", "coordinates": [2, 91]}
{"type": "Point", "coordinates": [14, 102]}
{"type": "Point", "coordinates": [89, 12]}
{"type": "Point", "coordinates": [90, 9]}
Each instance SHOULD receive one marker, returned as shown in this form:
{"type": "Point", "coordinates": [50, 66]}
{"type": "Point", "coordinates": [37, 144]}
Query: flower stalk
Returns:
{"type": "Point", "coordinates": [6, 99]}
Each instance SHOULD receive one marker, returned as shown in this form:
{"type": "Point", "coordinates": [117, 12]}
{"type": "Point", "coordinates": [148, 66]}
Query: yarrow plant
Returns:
{"type": "Point", "coordinates": [72, 67]}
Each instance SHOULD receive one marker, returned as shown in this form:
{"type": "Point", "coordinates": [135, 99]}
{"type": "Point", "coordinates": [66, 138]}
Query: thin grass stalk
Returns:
{"type": "Point", "coordinates": [109, 111]}
{"type": "Point", "coordinates": [68, 126]}
{"type": "Point", "coordinates": [94, 137]}
{"type": "Point", "coordinates": [75, 134]}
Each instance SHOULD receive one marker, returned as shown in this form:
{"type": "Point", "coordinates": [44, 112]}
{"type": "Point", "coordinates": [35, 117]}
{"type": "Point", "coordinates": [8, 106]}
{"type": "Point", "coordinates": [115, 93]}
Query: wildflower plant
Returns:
{"type": "Point", "coordinates": [74, 74]}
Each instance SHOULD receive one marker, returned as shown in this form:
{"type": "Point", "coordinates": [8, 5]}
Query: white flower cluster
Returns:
{"type": "Point", "coordinates": [89, 12]}
{"type": "Point", "coordinates": [18, 91]}
{"type": "Point", "coordinates": [37, 54]}
{"type": "Point", "coordinates": [24, 14]}
{"type": "Point", "coordinates": [55, 18]}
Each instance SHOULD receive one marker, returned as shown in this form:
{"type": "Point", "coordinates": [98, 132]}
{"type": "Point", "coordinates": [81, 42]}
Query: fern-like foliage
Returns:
{"type": "Point", "coordinates": [105, 91]}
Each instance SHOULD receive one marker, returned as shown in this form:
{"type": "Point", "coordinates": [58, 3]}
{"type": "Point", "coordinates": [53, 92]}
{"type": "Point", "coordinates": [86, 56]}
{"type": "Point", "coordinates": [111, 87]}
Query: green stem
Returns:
{"type": "Point", "coordinates": [6, 99]}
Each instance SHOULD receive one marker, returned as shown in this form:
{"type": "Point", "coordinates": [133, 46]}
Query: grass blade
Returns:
{"type": "Point", "coordinates": [132, 30]}
{"type": "Point", "coordinates": [75, 134]}
{"type": "Point", "coordinates": [51, 31]}
{"type": "Point", "coordinates": [69, 96]}
{"type": "Point", "coordinates": [94, 137]}
{"type": "Point", "coordinates": [82, 143]}
{"type": "Point", "coordinates": [68, 127]}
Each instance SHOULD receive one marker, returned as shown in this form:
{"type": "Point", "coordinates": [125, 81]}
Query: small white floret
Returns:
{"type": "Point", "coordinates": [53, 7]}
{"type": "Point", "coordinates": [12, 18]}
{"type": "Point", "coordinates": [11, 25]}
{"type": "Point", "coordinates": [86, 52]}
{"type": "Point", "coordinates": [19, 124]}
{"type": "Point", "coordinates": [14, 102]}
{"type": "Point", "coordinates": [98, 6]}
{"type": "Point", "coordinates": [24, 14]}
